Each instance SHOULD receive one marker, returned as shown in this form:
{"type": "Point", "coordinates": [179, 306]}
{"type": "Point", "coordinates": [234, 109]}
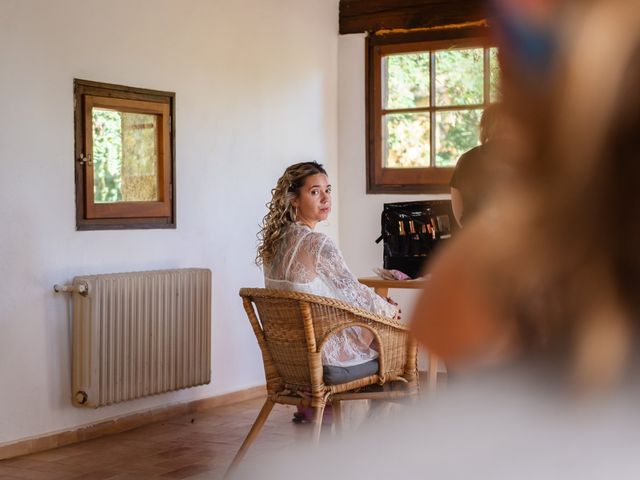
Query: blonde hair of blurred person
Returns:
{"type": "Point", "coordinates": [551, 269]}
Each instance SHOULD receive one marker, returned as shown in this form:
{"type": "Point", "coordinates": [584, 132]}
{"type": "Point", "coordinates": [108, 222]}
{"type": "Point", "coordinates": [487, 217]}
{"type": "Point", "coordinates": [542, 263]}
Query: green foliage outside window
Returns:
{"type": "Point", "coordinates": [408, 84]}
{"type": "Point", "coordinates": [459, 81]}
{"type": "Point", "coordinates": [459, 77]}
{"type": "Point", "coordinates": [408, 142]}
{"type": "Point", "coordinates": [107, 155]}
{"type": "Point", "coordinates": [124, 156]}
{"type": "Point", "coordinates": [494, 72]}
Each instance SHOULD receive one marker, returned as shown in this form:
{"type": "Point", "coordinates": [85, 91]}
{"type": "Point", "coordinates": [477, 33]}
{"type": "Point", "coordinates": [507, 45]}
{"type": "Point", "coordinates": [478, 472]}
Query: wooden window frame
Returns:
{"type": "Point", "coordinates": [410, 180]}
{"type": "Point", "coordinates": [123, 215]}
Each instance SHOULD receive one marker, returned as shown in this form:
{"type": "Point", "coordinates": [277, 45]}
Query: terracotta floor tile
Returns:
{"type": "Point", "coordinates": [180, 462]}
{"type": "Point", "coordinates": [28, 464]}
{"type": "Point", "coordinates": [187, 472]}
{"type": "Point", "coordinates": [7, 469]}
{"type": "Point", "coordinates": [91, 459]}
{"type": "Point", "coordinates": [142, 470]}
{"type": "Point", "coordinates": [97, 475]}
{"type": "Point", "coordinates": [134, 476]}
{"type": "Point", "coordinates": [54, 455]}
{"type": "Point", "coordinates": [26, 474]}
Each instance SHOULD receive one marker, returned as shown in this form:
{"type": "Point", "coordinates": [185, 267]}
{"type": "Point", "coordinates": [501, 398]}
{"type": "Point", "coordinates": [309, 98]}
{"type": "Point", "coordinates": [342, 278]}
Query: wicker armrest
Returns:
{"type": "Point", "coordinates": [317, 299]}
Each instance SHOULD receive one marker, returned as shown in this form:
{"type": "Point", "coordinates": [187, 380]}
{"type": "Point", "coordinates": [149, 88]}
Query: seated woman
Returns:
{"type": "Point", "coordinates": [479, 171]}
{"type": "Point", "coordinates": [295, 257]}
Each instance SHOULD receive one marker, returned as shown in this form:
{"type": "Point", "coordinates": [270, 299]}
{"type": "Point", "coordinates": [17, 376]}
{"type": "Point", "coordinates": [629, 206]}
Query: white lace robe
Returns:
{"type": "Point", "coordinates": [309, 262]}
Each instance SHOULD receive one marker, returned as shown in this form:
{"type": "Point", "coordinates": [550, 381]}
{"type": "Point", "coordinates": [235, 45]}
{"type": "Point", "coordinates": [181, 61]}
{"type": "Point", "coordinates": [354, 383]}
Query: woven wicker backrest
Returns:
{"type": "Point", "coordinates": [329, 318]}
{"type": "Point", "coordinates": [292, 327]}
{"type": "Point", "coordinates": [283, 330]}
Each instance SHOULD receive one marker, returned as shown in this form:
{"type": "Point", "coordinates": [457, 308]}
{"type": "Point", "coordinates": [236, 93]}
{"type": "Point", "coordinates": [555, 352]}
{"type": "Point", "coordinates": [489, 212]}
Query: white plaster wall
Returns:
{"type": "Point", "coordinates": [359, 212]}
{"type": "Point", "coordinates": [256, 90]}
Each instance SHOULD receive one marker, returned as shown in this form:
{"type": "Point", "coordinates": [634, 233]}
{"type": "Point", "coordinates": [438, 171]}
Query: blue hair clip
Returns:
{"type": "Point", "coordinates": [528, 46]}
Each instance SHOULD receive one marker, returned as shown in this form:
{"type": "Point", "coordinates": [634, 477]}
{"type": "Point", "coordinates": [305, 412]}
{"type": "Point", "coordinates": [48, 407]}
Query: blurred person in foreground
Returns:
{"type": "Point", "coordinates": [551, 269]}
{"type": "Point", "coordinates": [549, 298]}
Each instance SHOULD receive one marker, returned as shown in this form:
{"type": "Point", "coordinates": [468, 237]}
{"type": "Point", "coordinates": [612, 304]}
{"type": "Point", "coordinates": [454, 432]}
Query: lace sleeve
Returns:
{"type": "Point", "coordinates": [332, 268]}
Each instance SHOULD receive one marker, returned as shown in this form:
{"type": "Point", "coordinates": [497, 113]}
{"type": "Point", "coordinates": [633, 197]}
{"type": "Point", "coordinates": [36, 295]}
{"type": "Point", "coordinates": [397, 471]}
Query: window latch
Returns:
{"type": "Point", "coordinates": [85, 159]}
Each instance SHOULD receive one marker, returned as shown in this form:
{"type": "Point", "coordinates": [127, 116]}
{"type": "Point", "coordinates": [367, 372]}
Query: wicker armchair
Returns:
{"type": "Point", "coordinates": [291, 329]}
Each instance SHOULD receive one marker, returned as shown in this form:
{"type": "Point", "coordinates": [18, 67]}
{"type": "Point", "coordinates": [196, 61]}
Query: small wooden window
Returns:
{"type": "Point", "coordinates": [424, 101]}
{"type": "Point", "coordinates": [125, 157]}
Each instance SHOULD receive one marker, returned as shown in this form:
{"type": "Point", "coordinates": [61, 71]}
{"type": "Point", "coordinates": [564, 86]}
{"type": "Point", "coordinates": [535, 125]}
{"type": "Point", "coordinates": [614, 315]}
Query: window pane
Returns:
{"type": "Point", "coordinates": [406, 139]}
{"type": "Point", "coordinates": [459, 77]}
{"type": "Point", "coordinates": [407, 80]}
{"type": "Point", "coordinates": [456, 132]}
{"type": "Point", "coordinates": [125, 156]}
{"type": "Point", "coordinates": [494, 69]}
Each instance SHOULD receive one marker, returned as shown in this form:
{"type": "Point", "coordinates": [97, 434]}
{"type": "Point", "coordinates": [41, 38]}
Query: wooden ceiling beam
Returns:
{"type": "Point", "coordinates": [358, 16]}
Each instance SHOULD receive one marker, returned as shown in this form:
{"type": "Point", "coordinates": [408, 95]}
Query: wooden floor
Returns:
{"type": "Point", "coordinates": [196, 446]}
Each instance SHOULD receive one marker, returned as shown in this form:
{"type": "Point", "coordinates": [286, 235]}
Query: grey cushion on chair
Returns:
{"type": "Point", "coordinates": [335, 375]}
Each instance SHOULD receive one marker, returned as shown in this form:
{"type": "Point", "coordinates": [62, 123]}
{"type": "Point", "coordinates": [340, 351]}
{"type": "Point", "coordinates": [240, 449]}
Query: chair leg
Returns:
{"type": "Point", "coordinates": [318, 412]}
{"type": "Point", "coordinates": [337, 415]}
{"type": "Point", "coordinates": [253, 433]}
{"type": "Point", "coordinates": [433, 373]}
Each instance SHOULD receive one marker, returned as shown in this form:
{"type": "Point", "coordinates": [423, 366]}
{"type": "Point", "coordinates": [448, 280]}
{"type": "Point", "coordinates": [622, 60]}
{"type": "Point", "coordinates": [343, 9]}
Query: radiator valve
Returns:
{"type": "Point", "coordinates": [82, 288]}
{"type": "Point", "coordinates": [81, 397]}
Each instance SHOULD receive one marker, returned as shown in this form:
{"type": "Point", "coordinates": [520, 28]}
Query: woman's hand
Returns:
{"type": "Point", "coordinates": [395, 304]}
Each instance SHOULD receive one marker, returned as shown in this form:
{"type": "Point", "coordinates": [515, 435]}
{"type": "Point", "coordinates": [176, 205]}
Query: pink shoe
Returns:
{"type": "Point", "coordinates": [305, 415]}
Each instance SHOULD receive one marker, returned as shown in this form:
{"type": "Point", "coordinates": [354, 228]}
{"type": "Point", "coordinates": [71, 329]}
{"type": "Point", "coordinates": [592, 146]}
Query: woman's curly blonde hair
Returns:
{"type": "Point", "coordinates": [280, 211]}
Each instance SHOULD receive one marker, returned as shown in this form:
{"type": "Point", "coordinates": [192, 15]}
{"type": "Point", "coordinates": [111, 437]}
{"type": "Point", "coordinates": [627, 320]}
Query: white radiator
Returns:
{"type": "Point", "coordinates": [140, 333]}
